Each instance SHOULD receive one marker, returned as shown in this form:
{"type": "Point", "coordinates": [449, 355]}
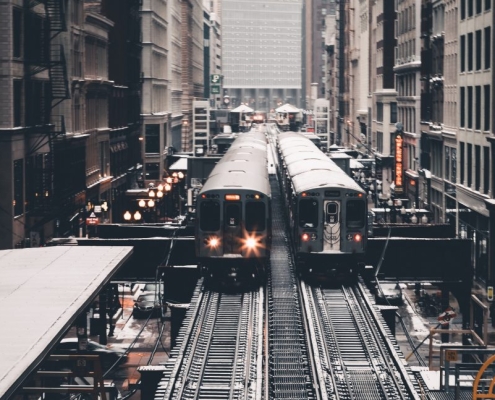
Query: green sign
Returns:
{"type": "Point", "coordinates": [215, 89]}
{"type": "Point", "coordinates": [215, 78]}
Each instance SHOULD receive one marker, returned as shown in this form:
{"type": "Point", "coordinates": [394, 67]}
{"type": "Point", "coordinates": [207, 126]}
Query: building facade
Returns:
{"type": "Point", "coordinates": [261, 44]}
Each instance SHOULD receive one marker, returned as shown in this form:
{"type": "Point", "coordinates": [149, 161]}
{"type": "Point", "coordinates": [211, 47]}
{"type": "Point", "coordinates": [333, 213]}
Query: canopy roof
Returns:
{"type": "Point", "coordinates": [242, 109]}
{"type": "Point", "coordinates": [287, 108]}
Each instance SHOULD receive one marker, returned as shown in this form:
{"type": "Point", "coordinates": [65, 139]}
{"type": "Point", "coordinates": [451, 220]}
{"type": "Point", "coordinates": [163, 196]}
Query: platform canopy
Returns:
{"type": "Point", "coordinates": [42, 291]}
{"type": "Point", "coordinates": [287, 108]}
{"type": "Point", "coordinates": [179, 165]}
{"type": "Point", "coordinates": [242, 109]}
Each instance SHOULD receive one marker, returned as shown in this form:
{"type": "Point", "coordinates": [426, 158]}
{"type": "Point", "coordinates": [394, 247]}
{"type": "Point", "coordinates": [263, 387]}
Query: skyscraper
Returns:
{"type": "Point", "coordinates": [262, 52]}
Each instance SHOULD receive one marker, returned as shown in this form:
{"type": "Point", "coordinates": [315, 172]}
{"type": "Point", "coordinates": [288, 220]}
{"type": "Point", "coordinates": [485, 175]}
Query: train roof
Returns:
{"type": "Point", "coordinates": [309, 168]}
{"type": "Point", "coordinates": [244, 166]}
{"type": "Point", "coordinates": [319, 179]}
{"type": "Point", "coordinates": [240, 180]}
{"type": "Point", "coordinates": [312, 164]}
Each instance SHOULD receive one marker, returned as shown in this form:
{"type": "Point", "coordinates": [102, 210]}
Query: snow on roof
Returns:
{"type": "Point", "coordinates": [42, 290]}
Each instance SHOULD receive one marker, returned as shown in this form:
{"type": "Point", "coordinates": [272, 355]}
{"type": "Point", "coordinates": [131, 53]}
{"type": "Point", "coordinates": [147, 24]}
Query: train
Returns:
{"type": "Point", "coordinates": [327, 210]}
{"type": "Point", "coordinates": [233, 213]}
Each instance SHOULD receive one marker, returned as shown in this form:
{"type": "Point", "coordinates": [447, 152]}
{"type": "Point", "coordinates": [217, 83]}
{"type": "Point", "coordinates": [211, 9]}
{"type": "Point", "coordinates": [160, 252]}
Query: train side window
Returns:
{"type": "Point", "coordinates": [255, 217]}
{"type": "Point", "coordinates": [209, 216]}
{"type": "Point", "coordinates": [232, 215]}
{"type": "Point", "coordinates": [355, 214]}
{"type": "Point", "coordinates": [308, 213]}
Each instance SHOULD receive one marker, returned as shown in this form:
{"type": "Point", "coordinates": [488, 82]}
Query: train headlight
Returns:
{"type": "Point", "coordinates": [357, 237]}
{"type": "Point", "coordinates": [305, 237]}
{"type": "Point", "coordinates": [213, 242]}
{"type": "Point", "coordinates": [251, 243]}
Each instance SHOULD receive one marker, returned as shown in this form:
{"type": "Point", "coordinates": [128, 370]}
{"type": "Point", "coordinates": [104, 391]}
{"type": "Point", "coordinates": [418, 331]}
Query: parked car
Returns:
{"type": "Point", "coordinates": [148, 288]}
{"type": "Point", "coordinates": [389, 293]}
{"type": "Point", "coordinates": [109, 354]}
{"type": "Point", "coordinates": [147, 304]}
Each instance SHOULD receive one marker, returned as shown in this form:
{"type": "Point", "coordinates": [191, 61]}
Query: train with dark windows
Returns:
{"type": "Point", "coordinates": [233, 213]}
{"type": "Point", "coordinates": [327, 209]}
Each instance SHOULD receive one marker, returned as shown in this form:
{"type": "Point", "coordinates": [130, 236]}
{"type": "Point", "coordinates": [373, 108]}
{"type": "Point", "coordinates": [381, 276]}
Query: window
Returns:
{"type": "Point", "coordinates": [470, 51]}
{"type": "Point", "coordinates": [393, 112]}
{"type": "Point", "coordinates": [477, 107]}
{"type": "Point", "coordinates": [470, 107]}
{"type": "Point", "coordinates": [486, 169]}
{"type": "Point", "coordinates": [463, 9]}
{"type": "Point", "coordinates": [255, 216]}
{"type": "Point", "coordinates": [152, 142]}
{"type": "Point", "coordinates": [463, 53]}
{"type": "Point", "coordinates": [453, 170]}
{"type": "Point", "coordinates": [447, 163]}
{"type": "Point", "coordinates": [16, 33]}
{"type": "Point", "coordinates": [379, 111]}
{"type": "Point", "coordinates": [462, 161]}
{"type": "Point", "coordinates": [209, 216]}
{"type": "Point", "coordinates": [477, 167]}
{"type": "Point", "coordinates": [478, 6]}
{"type": "Point", "coordinates": [17, 102]}
{"type": "Point", "coordinates": [462, 105]}
{"type": "Point", "coordinates": [488, 4]}
{"type": "Point", "coordinates": [18, 187]}
{"type": "Point", "coordinates": [355, 214]}
{"type": "Point", "coordinates": [308, 213]}
{"type": "Point", "coordinates": [469, 164]}
{"type": "Point", "coordinates": [232, 217]}
{"type": "Point", "coordinates": [152, 171]}
{"type": "Point", "coordinates": [478, 50]}
{"type": "Point", "coordinates": [379, 142]}
{"type": "Point", "coordinates": [486, 107]}
{"type": "Point", "coordinates": [470, 8]}
{"type": "Point", "coordinates": [488, 44]}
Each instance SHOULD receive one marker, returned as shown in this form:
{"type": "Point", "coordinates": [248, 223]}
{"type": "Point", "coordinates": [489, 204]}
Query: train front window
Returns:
{"type": "Point", "coordinates": [355, 214]}
{"type": "Point", "coordinates": [209, 216]}
{"type": "Point", "coordinates": [255, 217]}
{"type": "Point", "coordinates": [232, 215]}
{"type": "Point", "coordinates": [308, 213]}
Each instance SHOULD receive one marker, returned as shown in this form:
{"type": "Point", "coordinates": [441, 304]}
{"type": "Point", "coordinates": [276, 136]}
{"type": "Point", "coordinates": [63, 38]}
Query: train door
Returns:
{"type": "Point", "coordinates": [232, 229]}
{"type": "Point", "coordinates": [331, 226]}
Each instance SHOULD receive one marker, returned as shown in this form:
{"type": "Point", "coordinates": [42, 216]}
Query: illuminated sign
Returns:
{"type": "Point", "coordinates": [232, 197]}
{"type": "Point", "coordinates": [399, 163]}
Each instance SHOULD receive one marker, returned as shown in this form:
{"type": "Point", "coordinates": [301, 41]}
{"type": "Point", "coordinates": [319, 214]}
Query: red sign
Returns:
{"type": "Point", "coordinates": [92, 221]}
{"type": "Point", "coordinates": [399, 163]}
{"type": "Point", "coordinates": [445, 317]}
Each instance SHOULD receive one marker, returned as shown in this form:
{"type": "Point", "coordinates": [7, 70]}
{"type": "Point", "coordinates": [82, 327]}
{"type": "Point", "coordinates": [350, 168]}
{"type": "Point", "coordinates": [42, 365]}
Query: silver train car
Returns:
{"type": "Point", "coordinates": [327, 209]}
{"type": "Point", "coordinates": [233, 212]}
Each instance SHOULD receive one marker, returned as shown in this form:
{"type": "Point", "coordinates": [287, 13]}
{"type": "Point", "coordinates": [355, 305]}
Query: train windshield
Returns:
{"type": "Point", "coordinates": [308, 213]}
{"type": "Point", "coordinates": [209, 216]}
{"type": "Point", "coordinates": [355, 214]}
{"type": "Point", "coordinates": [255, 217]}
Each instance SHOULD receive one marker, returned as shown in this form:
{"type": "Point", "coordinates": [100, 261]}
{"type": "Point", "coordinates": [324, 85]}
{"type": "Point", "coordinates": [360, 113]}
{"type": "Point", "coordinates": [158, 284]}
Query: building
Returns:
{"type": "Point", "coordinates": [156, 101]}
{"type": "Point", "coordinates": [383, 100]}
{"type": "Point", "coordinates": [124, 102]}
{"type": "Point", "coordinates": [261, 45]}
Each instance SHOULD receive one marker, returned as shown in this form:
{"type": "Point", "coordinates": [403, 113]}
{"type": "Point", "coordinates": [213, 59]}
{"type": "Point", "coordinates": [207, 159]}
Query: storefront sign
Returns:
{"type": "Point", "coordinates": [399, 166]}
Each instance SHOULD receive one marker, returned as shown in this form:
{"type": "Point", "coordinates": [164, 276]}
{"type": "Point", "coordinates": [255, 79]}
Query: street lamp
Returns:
{"type": "Point", "coordinates": [136, 216]}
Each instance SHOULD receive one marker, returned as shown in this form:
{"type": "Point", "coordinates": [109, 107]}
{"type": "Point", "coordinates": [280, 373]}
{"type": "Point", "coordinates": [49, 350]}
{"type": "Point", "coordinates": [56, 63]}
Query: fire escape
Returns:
{"type": "Point", "coordinates": [47, 127]}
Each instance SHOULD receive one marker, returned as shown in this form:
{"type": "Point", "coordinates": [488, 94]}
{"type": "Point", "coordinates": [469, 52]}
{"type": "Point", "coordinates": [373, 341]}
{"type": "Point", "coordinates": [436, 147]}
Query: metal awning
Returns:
{"type": "Point", "coordinates": [42, 291]}
{"type": "Point", "coordinates": [179, 165]}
